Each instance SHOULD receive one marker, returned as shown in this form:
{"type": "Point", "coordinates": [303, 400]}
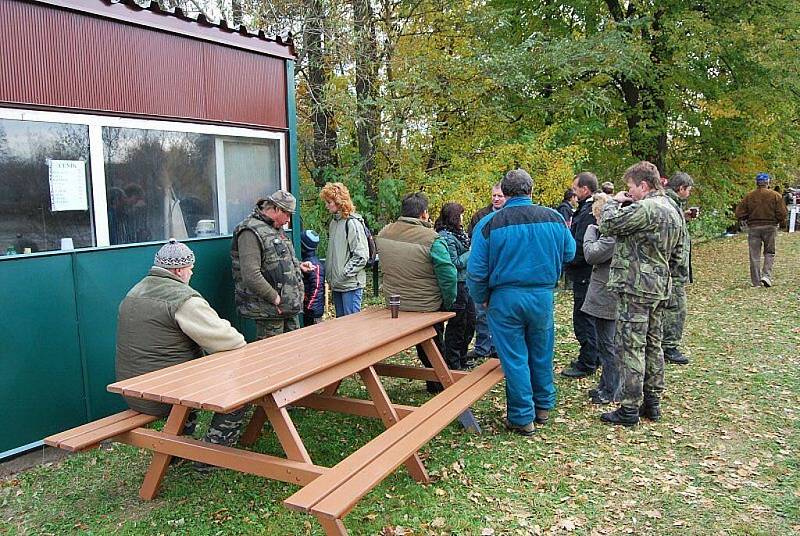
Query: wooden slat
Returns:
{"type": "Point", "coordinates": [310, 495]}
{"type": "Point", "coordinates": [92, 439]}
{"type": "Point", "coordinates": [228, 457]}
{"type": "Point", "coordinates": [160, 462]}
{"type": "Point", "coordinates": [55, 439]}
{"type": "Point", "coordinates": [350, 406]}
{"type": "Point", "coordinates": [343, 498]}
{"type": "Point", "coordinates": [413, 373]}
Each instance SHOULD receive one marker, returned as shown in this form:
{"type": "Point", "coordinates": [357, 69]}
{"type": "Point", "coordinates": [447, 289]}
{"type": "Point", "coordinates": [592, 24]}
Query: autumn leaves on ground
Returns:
{"type": "Point", "coordinates": [723, 460]}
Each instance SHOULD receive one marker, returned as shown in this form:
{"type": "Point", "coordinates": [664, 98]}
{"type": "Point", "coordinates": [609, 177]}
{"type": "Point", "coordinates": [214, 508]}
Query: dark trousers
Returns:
{"type": "Point", "coordinates": [437, 340]}
{"type": "Point", "coordinates": [583, 325]}
{"type": "Point", "coordinates": [460, 329]}
{"type": "Point", "coordinates": [610, 384]}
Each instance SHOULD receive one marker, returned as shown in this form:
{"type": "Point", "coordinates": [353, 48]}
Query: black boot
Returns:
{"type": "Point", "coordinates": [622, 416]}
{"type": "Point", "coordinates": [673, 355]}
{"type": "Point", "coordinates": [650, 409]}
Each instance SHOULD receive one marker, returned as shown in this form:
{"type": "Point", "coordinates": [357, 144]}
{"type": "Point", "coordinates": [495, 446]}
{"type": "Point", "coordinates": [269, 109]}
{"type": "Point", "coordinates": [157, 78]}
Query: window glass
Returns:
{"type": "Point", "coordinates": [252, 171]}
{"type": "Point", "coordinates": [159, 184]}
{"type": "Point", "coordinates": [45, 198]}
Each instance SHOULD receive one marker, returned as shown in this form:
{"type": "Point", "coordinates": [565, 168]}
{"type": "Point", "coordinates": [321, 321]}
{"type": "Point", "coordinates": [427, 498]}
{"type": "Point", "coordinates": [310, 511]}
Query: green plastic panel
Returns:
{"type": "Point", "coordinates": [41, 378]}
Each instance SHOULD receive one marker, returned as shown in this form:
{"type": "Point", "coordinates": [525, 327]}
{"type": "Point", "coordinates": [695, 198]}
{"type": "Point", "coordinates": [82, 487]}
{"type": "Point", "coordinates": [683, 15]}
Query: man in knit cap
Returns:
{"type": "Point", "coordinates": [266, 274]}
{"type": "Point", "coordinates": [163, 322]}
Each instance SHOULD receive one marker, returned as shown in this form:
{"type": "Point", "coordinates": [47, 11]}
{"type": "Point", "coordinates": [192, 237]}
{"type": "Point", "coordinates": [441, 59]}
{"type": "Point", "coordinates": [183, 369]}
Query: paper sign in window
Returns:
{"type": "Point", "coordinates": [68, 185]}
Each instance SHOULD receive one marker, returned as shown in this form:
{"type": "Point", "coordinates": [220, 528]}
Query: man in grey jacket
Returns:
{"type": "Point", "coordinates": [347, 250]}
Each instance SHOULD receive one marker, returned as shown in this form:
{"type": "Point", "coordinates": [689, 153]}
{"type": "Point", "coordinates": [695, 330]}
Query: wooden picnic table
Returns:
{"type": "Point", "coordinates": [302, 368]}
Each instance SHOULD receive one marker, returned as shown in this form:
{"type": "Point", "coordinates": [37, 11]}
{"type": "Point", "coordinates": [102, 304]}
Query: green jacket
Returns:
{"type": "Point", "coordinates": [459, 253]}
{"type": "Point", "coordinates": [347, 253]}
{"type": "Point", "coordinates": [681, 275]}
{"type": "Point", "coordinates": [416, 266]}
{"type": "Point", "coordinates": [650, 237]}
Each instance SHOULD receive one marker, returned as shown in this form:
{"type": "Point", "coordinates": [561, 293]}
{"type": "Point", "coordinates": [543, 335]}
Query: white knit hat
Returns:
{"type": "Point", "coordinates": [174, 255]}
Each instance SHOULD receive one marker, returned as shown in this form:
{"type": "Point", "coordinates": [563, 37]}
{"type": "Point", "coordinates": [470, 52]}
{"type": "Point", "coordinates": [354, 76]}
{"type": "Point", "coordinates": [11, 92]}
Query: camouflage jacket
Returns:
{"type": "Point", "coordinates": [650, 238]}
{"type": "Point", "coordinates": [279, 268]}
{"type": "Point", "coordinates": [681, 275]}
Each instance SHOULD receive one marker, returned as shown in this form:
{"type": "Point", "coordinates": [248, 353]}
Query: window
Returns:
{"type": "Point", "coordinates": [44, 186]}
{"type": "Point", "coordinates": [96, 180]}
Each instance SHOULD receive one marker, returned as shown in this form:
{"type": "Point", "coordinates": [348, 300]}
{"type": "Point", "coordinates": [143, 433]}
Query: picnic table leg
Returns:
{"type": "Point", "coordinates": [158, 466]}
{"type": "Point", "coordinates": [389, 417]}
{"type": "Point", "coordinates": [332, 527]}
{"type": "Point", "coordinates": [254, 427]}
{"type": "Point", "coordinates": [332, 388]}
{"type": "Point", "coordinates": [467, 419]}
{"type": "Point", "coordinates": [285, 430]}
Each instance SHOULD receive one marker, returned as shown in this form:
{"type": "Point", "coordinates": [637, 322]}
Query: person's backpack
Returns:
{"type": "Point", "coordinates": [371, 247]}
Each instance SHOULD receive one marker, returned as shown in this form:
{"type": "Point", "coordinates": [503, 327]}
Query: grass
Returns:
{"type": "Point", "coordinates": [723, 460]}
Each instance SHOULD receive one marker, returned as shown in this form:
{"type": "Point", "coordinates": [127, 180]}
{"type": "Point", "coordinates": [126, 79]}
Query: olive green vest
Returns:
{"type": "Point", "coordinates": [279, 266]}
{"type": "Point", "coordinates": [148, 336]}
{"type": "Point", "coordinates": [404, 248]}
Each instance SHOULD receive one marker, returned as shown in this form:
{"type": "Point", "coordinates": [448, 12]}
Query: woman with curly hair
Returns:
{"type": "Point", "coordinates": [348, 251]}
{"type": "Point", "coordinates": [460, 329]}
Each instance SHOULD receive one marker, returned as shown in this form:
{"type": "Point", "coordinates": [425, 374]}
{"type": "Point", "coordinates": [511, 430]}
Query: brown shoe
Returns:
{"type": "Point", "coordinates": [526, 430]}
{"type": "Point", "coordinates": [542, 416]}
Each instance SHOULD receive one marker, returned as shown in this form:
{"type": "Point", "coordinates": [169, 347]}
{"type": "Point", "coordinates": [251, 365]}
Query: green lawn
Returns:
{"type": "Point", "coordinates": [723, 460]}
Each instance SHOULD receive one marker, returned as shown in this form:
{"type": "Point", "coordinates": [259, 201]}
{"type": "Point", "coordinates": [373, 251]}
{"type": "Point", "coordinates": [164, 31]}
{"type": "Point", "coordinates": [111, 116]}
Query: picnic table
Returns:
{"type": "Point", "coordinates": [302, 368]}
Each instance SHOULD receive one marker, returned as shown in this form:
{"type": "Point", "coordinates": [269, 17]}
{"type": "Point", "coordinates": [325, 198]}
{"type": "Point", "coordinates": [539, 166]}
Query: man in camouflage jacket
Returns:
{"type": "Point", "coordinates": [650, 237]}
{"type": "Point", "coordinates": [266, 273]}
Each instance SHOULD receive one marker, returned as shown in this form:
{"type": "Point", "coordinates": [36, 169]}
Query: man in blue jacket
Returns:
{"type": "Point", "coordinates": [515, 264]}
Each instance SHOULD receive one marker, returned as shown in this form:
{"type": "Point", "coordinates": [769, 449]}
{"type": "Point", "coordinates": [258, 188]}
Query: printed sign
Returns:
{"type": "Point", "coordinates": [68, 185]}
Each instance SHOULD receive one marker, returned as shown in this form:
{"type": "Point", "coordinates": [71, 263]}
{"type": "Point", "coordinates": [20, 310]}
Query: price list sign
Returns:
{"type": "Point", "coordinates": [67, 185]}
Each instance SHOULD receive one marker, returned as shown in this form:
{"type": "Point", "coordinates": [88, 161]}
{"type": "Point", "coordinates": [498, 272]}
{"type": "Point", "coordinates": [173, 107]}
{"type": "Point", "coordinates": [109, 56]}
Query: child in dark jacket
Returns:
{"type": "Point", "coordinates": [313, 281]}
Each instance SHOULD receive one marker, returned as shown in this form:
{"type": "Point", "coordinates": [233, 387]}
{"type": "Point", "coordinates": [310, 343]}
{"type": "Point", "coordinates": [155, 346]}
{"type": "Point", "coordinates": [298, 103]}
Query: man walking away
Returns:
{"type": "Point", "coordinates": [580, 272]}
{"type": "Point", "coordinates": [515, 263]}
{"type": "Point", "coordinates": [649, 235]}
{"type": "Point", "coordinates": [763, 210]}
{"type": "Point", "coordinates": [678, 189]}
{"type": "Point", "coordinates": [417, 267]}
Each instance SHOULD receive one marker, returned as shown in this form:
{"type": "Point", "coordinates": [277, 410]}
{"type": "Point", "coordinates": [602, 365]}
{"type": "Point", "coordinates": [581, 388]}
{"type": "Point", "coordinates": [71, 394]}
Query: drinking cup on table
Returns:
{"type": "Point", "coordinates": [66, 244]}
{"type": "Point", "coordinates": [394, 305]}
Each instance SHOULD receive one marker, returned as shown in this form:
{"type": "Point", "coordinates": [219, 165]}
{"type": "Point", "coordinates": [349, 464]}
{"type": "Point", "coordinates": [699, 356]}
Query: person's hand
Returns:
{"type": "Point", "coordinates": [277, 300]}
{"type": "Point", "coordinates": [306, 266]}
{"type": "Point", "coordinates": [622, 197]}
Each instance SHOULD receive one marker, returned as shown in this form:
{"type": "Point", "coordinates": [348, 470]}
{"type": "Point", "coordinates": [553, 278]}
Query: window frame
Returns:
{"type": "Point", "coordinates": [97, 183]}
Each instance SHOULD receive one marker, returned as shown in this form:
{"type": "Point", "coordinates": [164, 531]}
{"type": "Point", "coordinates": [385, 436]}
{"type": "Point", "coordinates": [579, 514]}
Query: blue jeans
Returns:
{"type": "Point", "coordinates": [347, 303]}
{"type": "Point", "coordinates": [521, 321]}
{"type": "Point", "coordinates": [483, 338]}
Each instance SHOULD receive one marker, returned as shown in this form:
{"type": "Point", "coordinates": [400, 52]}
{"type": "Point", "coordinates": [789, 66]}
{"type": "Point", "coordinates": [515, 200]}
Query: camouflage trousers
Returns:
{"type": "Point", "coordinates": [674, 317]}
{"type": "Point", "coordinates": [225, 428]}
{"type": "Point", "coordinates": [638, 342]}
{"type": "Point", "coordinates": [269, 327]}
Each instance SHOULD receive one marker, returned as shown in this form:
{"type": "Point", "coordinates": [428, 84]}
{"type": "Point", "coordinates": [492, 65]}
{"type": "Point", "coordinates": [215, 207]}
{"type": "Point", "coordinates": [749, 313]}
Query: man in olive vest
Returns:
{"type": "Point", "coordinates": [417, 267]}
{"type": "Point", "coordinates": [266, 273]}
{"type": "Point", "coordinates": [163, 322]}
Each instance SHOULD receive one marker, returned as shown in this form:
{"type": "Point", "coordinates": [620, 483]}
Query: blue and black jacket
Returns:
{"type": "Point", "coordinates": [521, 245]}
{"type": "Point", "coordinates": [314, 284]}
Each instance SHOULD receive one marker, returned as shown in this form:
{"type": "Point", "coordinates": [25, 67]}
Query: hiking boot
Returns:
{"type": "Point", "coordinates": [673, 355]}
{"type": "Point", "coordinates": [622, 416]}
{"type": "Point", "coordinates": [523, 430]}
{"type": "Point", "coordinates": [650, 410]}
{"type": "Point", "coordinates": [766, 281]}
{"type": "Point", "coordinates": [542, 416]}
{"type": "Point", "coordinates": [204, 468]}
{"type": "Point", "coordinates": [576, 372]}
{"type": "Point", "coordinates": [593, 392]}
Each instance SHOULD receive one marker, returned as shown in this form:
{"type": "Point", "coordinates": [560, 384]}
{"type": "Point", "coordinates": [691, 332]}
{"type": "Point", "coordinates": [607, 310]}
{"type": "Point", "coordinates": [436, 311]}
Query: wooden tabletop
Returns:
{"type": "Point", "coordinates": [226, 380]}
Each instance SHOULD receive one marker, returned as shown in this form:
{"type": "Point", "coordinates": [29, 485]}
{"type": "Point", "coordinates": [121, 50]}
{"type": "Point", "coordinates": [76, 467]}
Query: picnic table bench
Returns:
{"type": "Point", "coordinates": [302, 368]}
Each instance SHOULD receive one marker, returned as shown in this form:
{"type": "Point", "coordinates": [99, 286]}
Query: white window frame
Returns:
{"type": "Point", "coordinates": [98, 175]}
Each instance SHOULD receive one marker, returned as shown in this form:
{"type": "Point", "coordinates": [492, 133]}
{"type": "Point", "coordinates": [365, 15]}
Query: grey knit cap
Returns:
{"type": "Point", "coordinates": [173, 254]}
{"type": "Point", "coordinates": [281, 199]}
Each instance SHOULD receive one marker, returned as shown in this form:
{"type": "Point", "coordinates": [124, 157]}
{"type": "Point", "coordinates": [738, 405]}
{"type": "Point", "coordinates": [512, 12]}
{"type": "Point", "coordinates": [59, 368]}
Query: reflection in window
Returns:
{"type": "Point", "coordinates": [159, 184]}
{"type": "Point", "coordinates": [41, 201]}
{"type": "Point", "coordinates": [252, 171]}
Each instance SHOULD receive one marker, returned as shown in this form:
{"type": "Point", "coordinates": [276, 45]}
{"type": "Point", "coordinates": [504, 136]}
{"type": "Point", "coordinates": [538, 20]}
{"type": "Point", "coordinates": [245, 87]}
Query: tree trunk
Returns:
{"type": "Point", "coordinates": [367, 113]}
{"type": "Point", "coordinates": [323, 149]}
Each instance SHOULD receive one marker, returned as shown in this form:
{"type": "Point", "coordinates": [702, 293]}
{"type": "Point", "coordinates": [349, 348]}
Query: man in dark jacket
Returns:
{"type": "Point", "coordinates": [763, 210]}
{"type": "Point", "coordinates": [483, 338]}
{"type": "Point", "coordinates": [567, 206]}
{"type": "Point", "coordinates": [580, 272]}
